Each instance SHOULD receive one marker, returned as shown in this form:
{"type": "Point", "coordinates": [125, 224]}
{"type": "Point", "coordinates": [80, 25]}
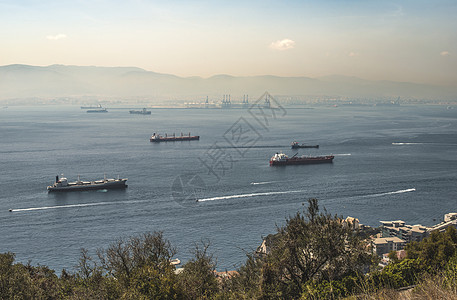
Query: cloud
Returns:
{"type": "Point", "coordinates": [353, 54]}
{"type": "Point", "coordinates": [56, 37]}
{"type": "Point", "coordinates": [281, 45]}
{"type": "Point", "coordinates": [444, 53]}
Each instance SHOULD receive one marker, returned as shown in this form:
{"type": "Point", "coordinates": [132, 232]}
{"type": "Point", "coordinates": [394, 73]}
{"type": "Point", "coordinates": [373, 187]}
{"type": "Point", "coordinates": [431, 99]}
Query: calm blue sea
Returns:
{"type": "Point", "coordinates": [390, 163]}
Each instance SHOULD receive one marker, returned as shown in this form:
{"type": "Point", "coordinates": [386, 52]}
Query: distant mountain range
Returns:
{"type": "Point", "coordinates": [25, 81]}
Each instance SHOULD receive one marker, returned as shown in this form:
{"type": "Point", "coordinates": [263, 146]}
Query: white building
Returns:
{"type": "Point", "coordinates": [386, 244]}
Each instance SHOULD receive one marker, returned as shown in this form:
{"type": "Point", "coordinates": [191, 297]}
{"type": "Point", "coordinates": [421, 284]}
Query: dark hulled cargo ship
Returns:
{"type": "Point", "coordinates": [280, 159]}
{"type": "Point", "coordinates": [157, 138]}
{"type": "Point", "coordinates": [62, 184]}
{"type": "Point", "coordinates": [140, 112]}
{"type": "Point", "coordinates": [296, 145]}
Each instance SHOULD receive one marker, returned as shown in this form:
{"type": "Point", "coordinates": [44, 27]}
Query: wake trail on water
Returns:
{"type": "Point", "coordinates": [343, 154]}
{"type": "Point", "coordinates": [400, 191]}
{"type": "Point", "coordinates": [439, 144]}
{"type": "Point", "coordinates": [408, 143]}
{"type": "Point", "coordinates": [254, 146]}
{"type": "Point", "coordinates": [264, 182]}
{"type": "Point", "coordinates": [247, 195]}
{"type": "Point", "coordinates": [391, 193]}
{"type": "Point", "coordinates": [386, 193]}
{"type": "Point", "coordinates": [72, 206]}
{"type": "Point", "coordinates": [200, 200]}
{"type": "Point", "coordinates": [298, 191]}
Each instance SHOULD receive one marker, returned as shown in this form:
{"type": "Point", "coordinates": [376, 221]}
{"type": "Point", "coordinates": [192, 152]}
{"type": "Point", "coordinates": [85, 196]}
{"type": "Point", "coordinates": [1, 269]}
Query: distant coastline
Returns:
{"type": "Point", "coordinates": [82, 84]}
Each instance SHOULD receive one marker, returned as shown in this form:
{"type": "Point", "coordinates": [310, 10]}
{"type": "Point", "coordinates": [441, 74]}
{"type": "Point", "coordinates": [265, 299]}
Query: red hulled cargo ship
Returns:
{"type": "Point", "coordinates": [280, 159]}
{"type": "Point", "coordinates": [157, 138]}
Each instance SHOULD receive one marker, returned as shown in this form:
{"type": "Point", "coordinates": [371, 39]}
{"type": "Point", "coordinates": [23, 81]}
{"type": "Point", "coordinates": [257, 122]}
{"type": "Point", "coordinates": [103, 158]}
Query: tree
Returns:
{"type": "Point", "coordinates": [18, 281]}
{"type": "Point", "coordinates": [141, 266]}
{"type": "Point", "coordinates": [393, 256]}
{"type": "Point", "coordinates": [198, 279]}
{"type": "Point", "coordinates": [90, 281]}
{"type": "Point", "coordinates": [450, 274]}
{"type": "Point", "coordinates": [246, 285]}
{"type": "Point", "coordinates": [436, 250]}
{"type": "Point", "coordinates": [137, 267]}
{"type": "Point", "coordinates": [397, 274]}
{"type": "Point", "coordinates": [313, 246]}
{"type": "Point", "coordinates": [125, 256]}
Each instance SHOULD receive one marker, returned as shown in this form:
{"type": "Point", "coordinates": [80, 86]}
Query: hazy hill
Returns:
{"type": "Point", "coordinates": [25, 81]}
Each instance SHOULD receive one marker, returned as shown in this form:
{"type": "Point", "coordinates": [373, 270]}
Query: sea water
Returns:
{"type": "Point", "coordinates": [390, 163]}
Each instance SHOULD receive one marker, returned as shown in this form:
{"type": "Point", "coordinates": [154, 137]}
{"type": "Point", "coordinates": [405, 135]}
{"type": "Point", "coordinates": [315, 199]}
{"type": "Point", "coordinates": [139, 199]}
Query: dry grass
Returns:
{"type": "Point", "coordinates": [384, 294]}
{"type": "Point", "coordinates": [434, 288]}
{"type": "Point", "coordinates": [430, 288]}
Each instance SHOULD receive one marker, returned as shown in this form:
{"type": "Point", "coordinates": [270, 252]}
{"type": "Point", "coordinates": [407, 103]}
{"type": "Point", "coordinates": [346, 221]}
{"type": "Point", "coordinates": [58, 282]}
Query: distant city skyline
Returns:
{"type": "Point", "coordinates": [409, 41]}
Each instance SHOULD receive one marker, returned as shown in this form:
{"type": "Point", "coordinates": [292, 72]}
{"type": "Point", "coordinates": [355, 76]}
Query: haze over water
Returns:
{"type": "Point", "coordinates": [390, 163]}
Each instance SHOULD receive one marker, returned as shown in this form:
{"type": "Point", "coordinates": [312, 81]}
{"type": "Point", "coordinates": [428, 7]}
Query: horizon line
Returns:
{"type": "Point", "coordinates": [228, 75]}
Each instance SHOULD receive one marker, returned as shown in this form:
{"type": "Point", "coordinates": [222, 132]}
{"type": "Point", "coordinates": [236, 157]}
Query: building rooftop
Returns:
{"type": "Point", "coordinates": [380, 241]}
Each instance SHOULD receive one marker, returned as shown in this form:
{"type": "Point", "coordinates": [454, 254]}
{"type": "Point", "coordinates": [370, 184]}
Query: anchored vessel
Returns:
{"type": "Point", "coordinates": [280, 159]}
{"type": "Point", "coordinates": [296, 145]}
{"type": "Point", "coordinates": [140, 112]}
{"type": "Point", "coordinates": [157, 138]}
{"type": "Point", "coordinates": [62, 184]}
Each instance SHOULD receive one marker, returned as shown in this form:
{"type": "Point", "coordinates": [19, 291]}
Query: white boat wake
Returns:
{"type": "Point", "coordinates": [343, 154]}
{"type": "Point", "coordinates": [247, 195]}
{"type": "Point", "coordinates": [72, 205]}
{"type": "Point", "coordinates": [389, 193]}
{"type": "Point", "coordinates": [434, 144]}
{"type": "Point", "coordinates": [399, 192]}
{"type": "Point", "coordinates": [199, 200]}
{"type": "Point", "coordinates": [298, 191]}
{"type": "Point", "coordinates": [264, 182]}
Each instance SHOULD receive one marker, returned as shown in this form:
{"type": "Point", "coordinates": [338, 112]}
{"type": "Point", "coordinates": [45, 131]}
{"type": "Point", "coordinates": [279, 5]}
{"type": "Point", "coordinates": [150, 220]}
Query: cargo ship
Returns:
{"type": "Point", "coordinates": [296, 145]}
{"type": "Point", "coordinates": [157, 138]}
{"type": "Point", "coordinates": [62, 184]}
{"type": "Point", "coordinates": [140, 112]}
{"type": "Point", "coordinates": [280, 159]}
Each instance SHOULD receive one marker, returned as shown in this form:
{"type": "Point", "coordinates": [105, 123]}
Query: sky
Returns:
{"type": "Point", "coordinates": [409, 41]}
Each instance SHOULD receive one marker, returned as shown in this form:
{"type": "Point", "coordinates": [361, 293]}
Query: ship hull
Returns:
{"type": "Point", "coordinates": [97, 111]}
{"type": "Point", "coordinates": [303, 161]}
{"type": "Point", "coordinates": [108, 185]}
{"type": "Point", "coordinates": [174, 139]}
{"type": "Point", "coordinates": [139, 112]}
{"type": "Point", "coordinates": [304, 146]}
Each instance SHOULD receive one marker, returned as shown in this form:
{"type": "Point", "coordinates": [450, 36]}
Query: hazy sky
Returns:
{"type": "Point", "coordinates": [412, 41]}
